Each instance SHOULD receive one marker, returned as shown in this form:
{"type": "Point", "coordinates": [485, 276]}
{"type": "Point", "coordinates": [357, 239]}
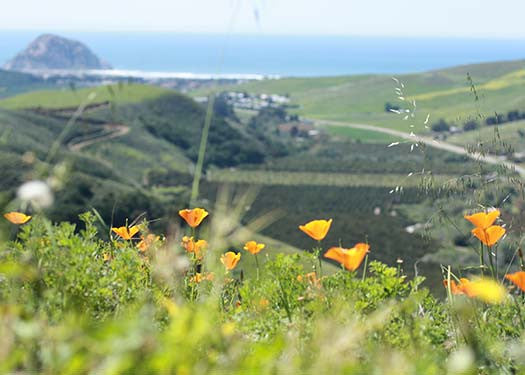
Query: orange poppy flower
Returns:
{"type": "Point", "coordinates": [317, 229]}
{"type": "Point", "coordinates": [490, 235]}
{"type": "Point", "coordinates": [483, 220]}
{"type": "Point", "coordinates": [17, 217]}
{"type": "Point", "coordinates": [312, 279]}
{"type": "Point", "coordinates": [456, 288]}
{"type": "Point", "coordinates": [125, 232]}
{"type": "Point", "coordinates": [146, 242]}
{"type": "Point", "coordinates": [199, 277]}
{"type": "Point", "coordinates": [194, 216]}
{"type": "Point", "coordinates": [253, 247]}
{"type": "Point", "coordinates": [518, 278]}
{"type": "Point", "coordinates": [194, 247]}
{"type": "Point", "coordinates": [352, 258]}
{"type": "Point", "coordinates": [484, 289]}
{"type": "Point", "coordinates": [230, 260]}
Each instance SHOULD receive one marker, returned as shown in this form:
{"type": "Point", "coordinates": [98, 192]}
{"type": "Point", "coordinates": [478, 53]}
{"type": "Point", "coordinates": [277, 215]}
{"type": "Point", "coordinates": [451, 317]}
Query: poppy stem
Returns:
{"type": "Point", "coordinates": [257, 263]}
{"type": "Point", "coordinates": [520, 254]}
{"type": "Point", "coordinates": [496, 260]}
{"type": "Point", "coordinates": [491, 262]}
{"type": "Point", "coordinates": [364, 268]}
{"type": "Point", "coordinates": [481, 261]}
{"type": "Point", "coordinates": [284, 298]}
{"type": "Point", "coordinates": [317, 253]}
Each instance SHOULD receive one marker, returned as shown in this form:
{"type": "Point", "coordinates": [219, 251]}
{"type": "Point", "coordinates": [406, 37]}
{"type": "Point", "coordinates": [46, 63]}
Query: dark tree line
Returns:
{"type": "Point", "coordinates": [498, 118]}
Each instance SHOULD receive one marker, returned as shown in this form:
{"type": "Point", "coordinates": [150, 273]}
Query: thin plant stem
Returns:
{"type": "Point", "coordinates": [365, 267]}
{"type": "Point", "coordinates": [481, 260]}
{"type": "Point", "coordinates": [518, 308]}
{"type": "Point", "coordinates": [496, 260]}
{"type": "Point", "coordinates": [58, 141]}
{"type": "Point", "coordinates": [208, 120]}
{"type": "Point", "coordinates": [257, 263]}
{"type": "Point", "coordinates": [449, 291]}
{"type": "Point", "coordinates": [202, 150]}
{"type": "Point", "coordinates": [491, 261]}
{"type": "Point", "coordinates": [284, 297]}
{"type": "Point", "coordinates": [319, 251]}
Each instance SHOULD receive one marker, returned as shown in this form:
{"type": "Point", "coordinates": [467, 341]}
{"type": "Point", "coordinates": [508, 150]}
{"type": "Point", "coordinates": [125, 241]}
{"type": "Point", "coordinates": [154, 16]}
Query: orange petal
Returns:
{"type": "Point", "coordinates": [354, 257]}
{"type": "Point", "coordinates": [199, 248]}
{"type": "Point", "coordinates": [317, 229]}
{"type": "Point", "coordinates": [17, 217]}
{"type": "Point", "coordinates": [230, 260]}
{"type": "Point", "coordinates": [254, 247]}
{"type": "Point", "coordinates": [336, 253]}
{"type": "Point", "coordinates": [453, 287]}
{"type": "Point", "coordinates": [482, 219]}
{"type": "Point", "coordinates": [518, 278]}
{"type": "Point", "coordinates": [490, 235]}
{"type": "Point", "coordinates": [194, 216]}
{"type": "Point", "coordinates": [133, 230]}
{"type": "Point", "coordinates": [122, 232]}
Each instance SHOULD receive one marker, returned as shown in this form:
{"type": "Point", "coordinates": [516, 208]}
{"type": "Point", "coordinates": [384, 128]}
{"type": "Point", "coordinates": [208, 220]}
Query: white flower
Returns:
{"type": "Point", "coordinates": [37, 193]}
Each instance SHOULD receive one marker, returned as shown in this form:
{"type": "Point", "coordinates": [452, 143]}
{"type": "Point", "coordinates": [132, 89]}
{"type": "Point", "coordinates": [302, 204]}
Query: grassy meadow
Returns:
{"type": "Point", "coordinates": [73, 98]}
{"type": "Point", "coordinates": [351, 251]}
{"type": "Point", "coordinates": [443, 93]}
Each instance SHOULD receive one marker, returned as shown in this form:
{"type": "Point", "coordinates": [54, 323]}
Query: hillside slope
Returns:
{"type": "Point", "coordinates": [12, 83]}
{"type": "Point", "coordinates": [446, 93]}
{"type": "Point", "coordinates": [68, 98]}
{"type": "Point", "coordinates": [142, 130]}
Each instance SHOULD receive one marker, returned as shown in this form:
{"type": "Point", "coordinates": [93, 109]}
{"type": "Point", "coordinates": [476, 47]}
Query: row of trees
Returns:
{"type": "Point", "coordinates": [443, 126]}
{"type": "Point", "coordinates": [498, 118]}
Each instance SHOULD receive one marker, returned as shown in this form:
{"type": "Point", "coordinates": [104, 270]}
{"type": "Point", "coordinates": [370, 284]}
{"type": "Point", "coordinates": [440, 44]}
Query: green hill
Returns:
{"type": "Point", "coordinates": [113, 147]}
{"type": "Point", "coordinates": [12, 83]}
{"type": "Point", "coordinates": [66, 97]}
{"type": "Point", "coordinates": [443, 93]}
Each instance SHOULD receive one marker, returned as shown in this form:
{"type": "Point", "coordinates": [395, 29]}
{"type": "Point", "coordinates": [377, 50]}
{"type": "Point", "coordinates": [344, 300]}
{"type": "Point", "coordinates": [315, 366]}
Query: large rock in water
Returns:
{"type": "Point", "coordinates": [54, 52]}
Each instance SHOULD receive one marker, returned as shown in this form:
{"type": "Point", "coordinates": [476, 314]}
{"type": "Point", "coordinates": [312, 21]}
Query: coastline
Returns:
{"type": "Point", "coordinates": [147, 75]}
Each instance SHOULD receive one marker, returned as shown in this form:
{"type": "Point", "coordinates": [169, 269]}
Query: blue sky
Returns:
{"type": "Point", "coordinates": [462, 18]}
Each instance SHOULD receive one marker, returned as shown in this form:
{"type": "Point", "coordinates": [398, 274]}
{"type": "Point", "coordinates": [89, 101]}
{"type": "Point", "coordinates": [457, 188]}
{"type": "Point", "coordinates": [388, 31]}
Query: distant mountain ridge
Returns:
{"type": "Point", "coordinates": [50, 51]}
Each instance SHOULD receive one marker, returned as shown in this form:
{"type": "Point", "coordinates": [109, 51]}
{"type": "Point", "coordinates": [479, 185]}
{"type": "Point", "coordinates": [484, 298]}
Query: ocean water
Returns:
{"type": "Point", "coordinates": [277, 55]}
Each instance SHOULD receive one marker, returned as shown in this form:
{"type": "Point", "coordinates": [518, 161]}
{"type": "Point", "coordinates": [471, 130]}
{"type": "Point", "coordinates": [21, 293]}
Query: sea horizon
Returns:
{"type": "Point", "coordinates": [251, 56]}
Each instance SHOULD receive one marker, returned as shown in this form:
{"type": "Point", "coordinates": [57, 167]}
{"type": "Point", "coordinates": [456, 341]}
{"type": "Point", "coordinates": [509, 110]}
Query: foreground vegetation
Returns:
{"type": "Point", "coordinates": [140, 302]}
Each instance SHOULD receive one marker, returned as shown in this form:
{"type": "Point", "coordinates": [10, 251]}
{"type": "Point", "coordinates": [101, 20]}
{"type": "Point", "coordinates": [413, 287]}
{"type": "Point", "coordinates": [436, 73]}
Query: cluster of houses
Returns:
{"type": "Point", "coordinates": [256, 102]}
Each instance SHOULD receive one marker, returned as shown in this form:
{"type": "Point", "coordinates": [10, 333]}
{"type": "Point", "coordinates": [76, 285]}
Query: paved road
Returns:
{"type": "Point", "coordinates": [430, 142]}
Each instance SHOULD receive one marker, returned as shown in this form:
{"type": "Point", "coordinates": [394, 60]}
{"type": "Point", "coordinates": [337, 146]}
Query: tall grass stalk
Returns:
{"type": "Point", "coordinates": [202, 150]}
{"type": "Point", "coordinates": [208, 119]}
{"type": "Point", "coordinates": [71, 122]}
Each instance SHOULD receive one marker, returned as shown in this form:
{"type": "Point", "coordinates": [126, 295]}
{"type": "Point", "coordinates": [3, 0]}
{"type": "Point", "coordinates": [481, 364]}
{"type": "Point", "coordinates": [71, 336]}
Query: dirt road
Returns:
{"type": "Point", "coordinates": [430, 142]}
{"type": "Point", "coordinates": [112, 131]}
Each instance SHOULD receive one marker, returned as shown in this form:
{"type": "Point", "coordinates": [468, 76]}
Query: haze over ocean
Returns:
{"type": "Point", "coordinates": [278, 55]}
